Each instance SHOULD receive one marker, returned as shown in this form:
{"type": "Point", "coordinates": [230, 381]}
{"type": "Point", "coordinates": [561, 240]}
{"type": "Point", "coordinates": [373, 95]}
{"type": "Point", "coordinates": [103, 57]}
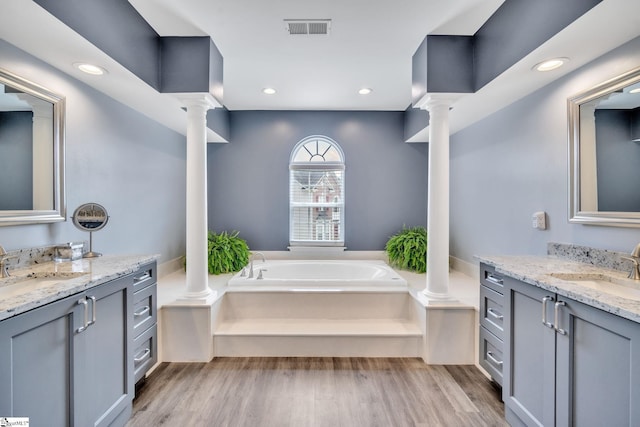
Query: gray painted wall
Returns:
{"type": "Point", "coordinates": [635, 125]}
{"type": "Point", "coordinates": [16, 160]}
{"type": "Point", "coordinates": [117, 157]}
{"type": "Point", "coordinates": [385, 182]}
{"type": "Point", "coordinates": [618, 162]}
{"type": "Point", "coordinates": [514, 163]}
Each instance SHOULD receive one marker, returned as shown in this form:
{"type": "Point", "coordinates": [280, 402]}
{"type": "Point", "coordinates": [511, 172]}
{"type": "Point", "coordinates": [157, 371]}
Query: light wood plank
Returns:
{"type": "Point", "coordinates": [317, 392]}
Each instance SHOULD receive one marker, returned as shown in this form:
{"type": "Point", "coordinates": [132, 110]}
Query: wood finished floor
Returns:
{"type": "Point", "coordinates": [315, 392]}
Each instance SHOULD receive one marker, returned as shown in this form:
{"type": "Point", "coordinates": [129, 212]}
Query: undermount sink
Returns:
{"type": "Point", "coordinates": [31, 283]}
{"type": "Point", "coordinates": [625, 288]}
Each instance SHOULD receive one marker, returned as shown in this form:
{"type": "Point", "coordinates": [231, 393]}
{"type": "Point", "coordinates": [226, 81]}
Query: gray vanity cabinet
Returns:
{"type": "Point", "coordinates": [597, 368]}
{"type": "Point", "coordinates": [528, 388]}
{"type": "Point", "coordinates": [38, 350]}
{"type": "Point", "coordinates": [567, 363]}
{"type": "Point", "coordinates": [491, 322]}
{"type": "Point", "coordinates": [145, 334]}
{"type": "Point", "coordinates": [69, 363]}
{"type": "Point", "coordinates": [106, 370]}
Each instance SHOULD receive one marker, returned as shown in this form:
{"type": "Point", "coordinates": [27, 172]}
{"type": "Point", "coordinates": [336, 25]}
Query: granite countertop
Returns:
{"type": "Point", "coordinates": [540, 271]}
{"type": "Point", "coordinates": [40, 284]}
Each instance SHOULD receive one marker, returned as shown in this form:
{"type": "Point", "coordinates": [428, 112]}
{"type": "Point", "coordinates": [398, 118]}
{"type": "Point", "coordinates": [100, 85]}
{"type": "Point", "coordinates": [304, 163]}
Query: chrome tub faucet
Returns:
{"type": "Point", "coordinates": [264, 259]}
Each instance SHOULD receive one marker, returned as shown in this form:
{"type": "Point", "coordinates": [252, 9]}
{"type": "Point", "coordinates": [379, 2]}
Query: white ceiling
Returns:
{"type": "Point", "coordinates": [370, 45]}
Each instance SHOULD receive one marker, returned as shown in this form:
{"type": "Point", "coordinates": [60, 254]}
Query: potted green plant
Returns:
{"type": "Point", "coordinates": [407, 249]}
{"type": "Point", "coordinates": [227, 253]}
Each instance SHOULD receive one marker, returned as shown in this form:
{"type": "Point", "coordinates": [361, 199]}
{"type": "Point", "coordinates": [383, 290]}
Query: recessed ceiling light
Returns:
{"type": "Point", "coordinates": [550, 64]}
{"type": "Point", "coordinates": [636, 90]}
{"type": "Point", "coordinates": [94, 70]}
{"type": "Point", "coordinates": [365, 91]}
{"type": "Point", "coordinates": [268, 90]}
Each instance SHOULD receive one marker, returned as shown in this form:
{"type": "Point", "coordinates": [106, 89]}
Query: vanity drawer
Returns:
{"type": "Point", "coordinates": [491, 354]}
{"type": "Point", "coordinates": [491, 279]}
{"type": "Point", "coordinates": [145, 352]}
{"type": "Point", "coordinates": [492, 311]}
{"type": "Point", "coordinates": [144, 309]}
{"type": "Point", "coordinates": [145, 276]}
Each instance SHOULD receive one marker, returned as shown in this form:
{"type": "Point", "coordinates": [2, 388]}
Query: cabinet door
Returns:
{"type": "Point", "coordinates": [106, 369]}
{"type": "Point", "coordinates": [596, 354]}
{"type": "Point", "coordinates": [529, 367]}
{"type": "Point", "coordinates": [37, 350]}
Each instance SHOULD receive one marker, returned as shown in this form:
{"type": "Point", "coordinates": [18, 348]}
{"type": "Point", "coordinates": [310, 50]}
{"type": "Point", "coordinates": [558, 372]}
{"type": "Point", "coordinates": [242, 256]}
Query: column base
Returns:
{"type": "Point", "coordinates": [199, 298]}
{"type": "Point", "coordinates": [437, 296]}
{"type": "Point", "coordinates": [186, 330]}
{"type": "Point", "coordinates": [449, 335]}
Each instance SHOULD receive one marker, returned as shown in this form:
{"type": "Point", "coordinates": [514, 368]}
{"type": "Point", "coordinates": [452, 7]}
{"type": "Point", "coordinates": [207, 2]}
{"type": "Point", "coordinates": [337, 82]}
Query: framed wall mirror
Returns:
{"type": "Point", "coordinates": [604, 153]}
{"type": "Point", "coordinates": [32, 151]}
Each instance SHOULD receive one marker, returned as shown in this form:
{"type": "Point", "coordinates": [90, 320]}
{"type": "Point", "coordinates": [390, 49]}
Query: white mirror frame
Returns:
{"type": "Point", "coordinates": [576, 215]}
{"type": "Point", "coordinates": [58, 213]}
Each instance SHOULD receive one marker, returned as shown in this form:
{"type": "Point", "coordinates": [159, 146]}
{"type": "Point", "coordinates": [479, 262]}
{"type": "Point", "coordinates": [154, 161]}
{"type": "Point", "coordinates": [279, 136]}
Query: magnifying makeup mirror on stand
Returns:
{"type": "Point", "coordinates": [90, 217]}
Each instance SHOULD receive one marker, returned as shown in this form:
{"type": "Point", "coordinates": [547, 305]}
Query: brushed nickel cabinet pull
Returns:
{"type": "Point", "coordinates": [546, 323]}
{"type": "Point", "coordinates": [557, 318]}
{"type": "Point", "coordinates": [85, 325]}
{"type": "Point", "coordinates": [144, 355]}
{"type": "Point", "coordinates": [491, 357]}
{"type": "Point", "coordinates": [495, 279]}
{"type": "Point", "coordinates": [145, 276]}
{"type": "Point", "coordinates": [494, 314]}
{"type": "Point", "coordinates": [144, 310]}
{"type": "Point", "coordinates": [93, 310]}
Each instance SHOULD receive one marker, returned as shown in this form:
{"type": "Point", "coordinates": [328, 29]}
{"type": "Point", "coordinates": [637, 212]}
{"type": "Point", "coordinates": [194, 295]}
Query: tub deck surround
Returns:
{"type": "Point", "coordinates": [61, 279]}
{"type": "Point", "coordinates": [308, 323]}
{"type": "Point", "coordinates": [540, 271]}
{"type": "Point", "coordinates": [334, 318]}
{"type": "Point", "coordinates": [319, 276]}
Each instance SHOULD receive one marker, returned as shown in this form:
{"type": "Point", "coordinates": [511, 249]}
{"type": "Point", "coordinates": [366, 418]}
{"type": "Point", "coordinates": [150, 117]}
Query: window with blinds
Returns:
{"type": "Point", "coordinates": [316, 193]}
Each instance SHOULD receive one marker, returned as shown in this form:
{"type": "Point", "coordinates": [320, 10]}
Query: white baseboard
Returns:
{"type": "Point", "coordinates": [170, 266]}
{"type": "Point", "coordinates": [467, 268]}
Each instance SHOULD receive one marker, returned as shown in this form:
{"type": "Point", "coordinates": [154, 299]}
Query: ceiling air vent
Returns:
{"type": "Point", "coordinates": [308, 26]}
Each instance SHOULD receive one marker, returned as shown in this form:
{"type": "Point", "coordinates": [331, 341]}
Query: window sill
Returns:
{"type": "Point", "coordinates": [317, 250]}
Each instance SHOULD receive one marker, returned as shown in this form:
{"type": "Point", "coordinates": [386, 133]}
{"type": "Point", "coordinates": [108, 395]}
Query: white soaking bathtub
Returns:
{"type": "Point", "coordinates": [319, 275]}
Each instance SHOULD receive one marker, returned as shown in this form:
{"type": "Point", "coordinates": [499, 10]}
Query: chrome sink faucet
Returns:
{"type": "Point", "coordinates": [4, 268]}
{"type": "Point", "coordinates": [635, 258]}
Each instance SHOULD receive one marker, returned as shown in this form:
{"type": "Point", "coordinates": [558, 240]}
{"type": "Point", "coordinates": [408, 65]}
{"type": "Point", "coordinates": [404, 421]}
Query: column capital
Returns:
{"type": "Point", "coordinates": [435, 100]}
{"type": "Point", "coordinates": [196, 99]}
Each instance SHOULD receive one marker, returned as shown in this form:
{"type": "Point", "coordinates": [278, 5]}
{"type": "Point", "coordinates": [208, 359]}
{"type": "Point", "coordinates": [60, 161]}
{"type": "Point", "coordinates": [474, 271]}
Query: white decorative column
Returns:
{"type": "Point", "coordinates": [438, 198]}
{"type": "Point", "coordinates": [448, 326]}
{"type": "Point", "coordinates": [197, 272]}
{"type": "Point", "coordinates": [195, 311]}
